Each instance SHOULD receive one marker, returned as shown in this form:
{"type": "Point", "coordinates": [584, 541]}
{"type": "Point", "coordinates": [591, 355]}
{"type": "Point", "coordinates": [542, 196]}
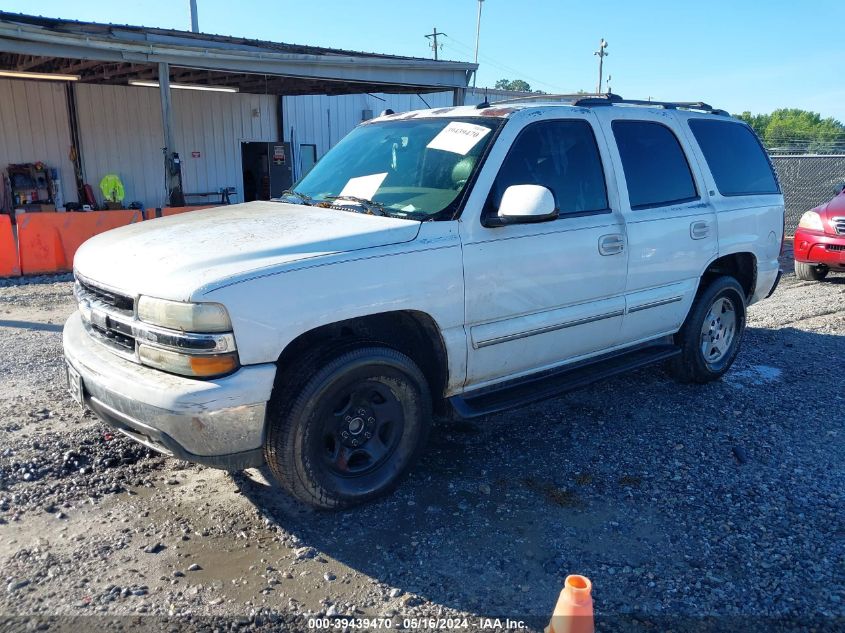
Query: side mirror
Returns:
{"type": "Point", "coordinates": [523, 204]}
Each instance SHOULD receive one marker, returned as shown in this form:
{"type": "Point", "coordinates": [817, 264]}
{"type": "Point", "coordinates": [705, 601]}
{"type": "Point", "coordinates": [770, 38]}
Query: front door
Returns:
{"type": "Point", "coordinates": [539, 295]}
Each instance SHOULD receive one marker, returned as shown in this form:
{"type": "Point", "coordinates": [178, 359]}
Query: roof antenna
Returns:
{"type": "Point", "coordinates": [485, 103]}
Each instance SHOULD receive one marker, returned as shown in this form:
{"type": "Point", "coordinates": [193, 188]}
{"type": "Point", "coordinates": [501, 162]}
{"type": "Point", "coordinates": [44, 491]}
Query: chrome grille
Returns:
{"type": "Point", "coordinates": [122, 303]}
{"type": "Point", "coordinates": [110, 338]}
{"type": "Point", "coordinates": [838, 225]}
{"type": "Point", "coordinates": [109, 318]}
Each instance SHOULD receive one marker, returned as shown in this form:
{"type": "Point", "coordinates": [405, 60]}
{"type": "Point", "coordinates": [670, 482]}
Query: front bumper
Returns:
{"type": "Point", "coordinates": [218, 423]}
{"type": "Point", "coordinates": [811, 247]}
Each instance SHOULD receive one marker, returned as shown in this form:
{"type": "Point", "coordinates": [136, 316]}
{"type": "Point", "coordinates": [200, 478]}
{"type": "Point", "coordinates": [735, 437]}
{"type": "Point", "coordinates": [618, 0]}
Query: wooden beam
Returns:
{"type": "Point", "coordinates": [81, 65]}
{"type": "Point", "coordinates": [33, 62]}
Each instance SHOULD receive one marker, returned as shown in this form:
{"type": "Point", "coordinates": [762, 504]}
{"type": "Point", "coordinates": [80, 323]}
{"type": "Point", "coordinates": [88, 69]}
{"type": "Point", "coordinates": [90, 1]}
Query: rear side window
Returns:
{"type": "Point", "coordinates": [656, 168]}
{"type": "Point", "coordinates": [735, 157]}
{"type": "Point", "coordinates": [563, 157]}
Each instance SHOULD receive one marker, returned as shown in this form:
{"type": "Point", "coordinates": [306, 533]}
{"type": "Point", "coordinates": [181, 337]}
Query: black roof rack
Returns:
{"type": "Point", "coordinates": [564, 98]}
{"type": "Point", "coordinates": [608, 99]}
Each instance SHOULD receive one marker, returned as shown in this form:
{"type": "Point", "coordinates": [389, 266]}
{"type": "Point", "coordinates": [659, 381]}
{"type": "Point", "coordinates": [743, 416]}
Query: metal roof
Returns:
{"type": "Point", "coordinates": [109, 53]}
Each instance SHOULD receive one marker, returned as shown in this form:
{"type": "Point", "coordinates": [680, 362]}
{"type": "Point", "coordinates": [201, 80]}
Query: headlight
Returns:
{"type": "Point", "coordinates": [187, 317]}
{"type": "Point", "coordinates": [811, 220]}
{"type": "Point", "coordinates": [186, 365]}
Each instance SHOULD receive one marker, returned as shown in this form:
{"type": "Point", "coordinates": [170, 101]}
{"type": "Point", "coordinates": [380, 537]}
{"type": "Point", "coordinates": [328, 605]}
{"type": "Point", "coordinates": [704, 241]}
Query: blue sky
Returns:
{"type": "Point", "coordinates": [737, 55]}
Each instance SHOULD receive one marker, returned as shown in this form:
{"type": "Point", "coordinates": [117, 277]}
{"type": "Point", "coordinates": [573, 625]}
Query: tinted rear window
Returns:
{"type": "Point", "coordinates": [735, 157]}
{"type": "Point", "coordinates": [656, 169]}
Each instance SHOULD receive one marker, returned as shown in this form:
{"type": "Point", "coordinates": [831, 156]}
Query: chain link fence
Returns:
{"type": "Point", "coordinates": [807, 180]}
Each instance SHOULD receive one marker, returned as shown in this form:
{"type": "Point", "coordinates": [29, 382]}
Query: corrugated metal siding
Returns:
{"type": "Point", "coordinates": [323, 120]}
{"type": "Point", "coordinates": [34, 127]}
{"type": "Point", "coordinates": [214, 124]}
{"type": "Point", "coordinates": [121, 132]}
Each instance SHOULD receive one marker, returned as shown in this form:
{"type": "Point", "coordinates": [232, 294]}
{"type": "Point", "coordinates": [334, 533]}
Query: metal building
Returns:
{"type": "Point", "coordinates": [164, 109]}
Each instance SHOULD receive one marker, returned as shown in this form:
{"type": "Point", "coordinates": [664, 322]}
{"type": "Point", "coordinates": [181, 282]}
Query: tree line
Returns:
{"type": "Point", "coordinates": [792, 129]}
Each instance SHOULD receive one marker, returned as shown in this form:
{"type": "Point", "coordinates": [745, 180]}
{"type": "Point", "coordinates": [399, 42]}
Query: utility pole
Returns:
{"type": "Point", "coordinates": [194, 21]}
{"type": "Point", "coordinates": [433, 37]}
{"type": "Point", "coordinates": [602, 53]}
{"type": "Point", "coordinates": [477, 38]}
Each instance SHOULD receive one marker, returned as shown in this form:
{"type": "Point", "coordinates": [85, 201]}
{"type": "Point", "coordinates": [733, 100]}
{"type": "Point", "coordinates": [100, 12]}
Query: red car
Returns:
{"type": "Point", "coordinates": [820, 240]}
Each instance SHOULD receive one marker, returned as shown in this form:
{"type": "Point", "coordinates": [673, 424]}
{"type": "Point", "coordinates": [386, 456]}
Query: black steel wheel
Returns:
{"type": "Point", "coordinates": [351, 432]}
{"type": "Point", "coordinates": [362, 423]}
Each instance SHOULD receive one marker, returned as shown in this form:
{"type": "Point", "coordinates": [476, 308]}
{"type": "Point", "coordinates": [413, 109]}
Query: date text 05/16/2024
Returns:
{"type": "Point", "coordinates": [434, 624]}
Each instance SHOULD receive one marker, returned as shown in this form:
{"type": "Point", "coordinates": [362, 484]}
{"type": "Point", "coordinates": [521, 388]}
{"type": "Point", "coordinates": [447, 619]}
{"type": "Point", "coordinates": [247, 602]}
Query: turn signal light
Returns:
{"type": "Point", "coordinates": [213, 365]}
{"type": "Point", "coordinates": [200, 366]}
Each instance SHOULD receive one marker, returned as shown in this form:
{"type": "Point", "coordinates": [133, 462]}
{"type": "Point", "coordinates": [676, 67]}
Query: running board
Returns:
{"type": "Point", "coordinates": [548, 384]}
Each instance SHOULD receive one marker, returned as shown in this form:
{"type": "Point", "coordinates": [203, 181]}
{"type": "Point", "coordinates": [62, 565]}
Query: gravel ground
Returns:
{"type": "Point", "coordinates": [717, 506]}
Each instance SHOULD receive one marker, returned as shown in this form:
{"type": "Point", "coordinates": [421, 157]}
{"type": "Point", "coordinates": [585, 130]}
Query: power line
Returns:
{"type": "Point", "coordinates": [510, 69]}
{"type": "Point", "coordinates": [465, 49]}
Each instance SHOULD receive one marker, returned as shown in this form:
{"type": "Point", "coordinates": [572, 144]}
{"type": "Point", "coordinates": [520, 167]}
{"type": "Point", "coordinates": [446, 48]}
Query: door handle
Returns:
{"type": "Point", "coordinates": [611, 244]}
{"type": "Point", "coordinates": [699, 230]}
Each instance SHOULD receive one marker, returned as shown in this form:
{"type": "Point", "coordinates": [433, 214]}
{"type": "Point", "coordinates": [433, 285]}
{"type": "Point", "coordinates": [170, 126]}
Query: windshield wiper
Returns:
{"type": "Point", "coordinates": [303, 198]}
{"type": "Point", "coordinates": [373, 208]}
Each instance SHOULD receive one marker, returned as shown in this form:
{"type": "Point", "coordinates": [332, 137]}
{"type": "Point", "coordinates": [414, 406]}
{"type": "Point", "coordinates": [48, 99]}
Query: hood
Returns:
{"type": "Point", "coordinates": [177, 256]}
{"type": "Point", "coordinates": [835, 208]}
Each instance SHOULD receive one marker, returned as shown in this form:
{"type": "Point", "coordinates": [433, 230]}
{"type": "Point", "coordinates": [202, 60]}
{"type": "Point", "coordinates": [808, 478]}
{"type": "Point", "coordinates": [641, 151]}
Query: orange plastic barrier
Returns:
{"type": "Point", "coordinates": [574, 609]}
{"type": "Point", "coordinates": [150, 214]}
{"type": "Point", "coordinates": [47, 242]}
{"type": "Point", "coordinates": [9, 265]}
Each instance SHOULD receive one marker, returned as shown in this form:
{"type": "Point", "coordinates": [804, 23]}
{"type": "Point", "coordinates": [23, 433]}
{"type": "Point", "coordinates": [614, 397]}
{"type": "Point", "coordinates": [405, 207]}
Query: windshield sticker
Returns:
{"type": "Point", "coordinates": [458, 137]}
{"type": "Point", "coordinates": [364, 186]}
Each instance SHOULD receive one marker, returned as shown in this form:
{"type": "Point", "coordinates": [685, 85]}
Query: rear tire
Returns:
{"type": "Point", "coordinates": [711, 335]}
{"type": "Point", "coordinates": [811, 272]}
{"type": "Point", "coordinates": [352, 430]}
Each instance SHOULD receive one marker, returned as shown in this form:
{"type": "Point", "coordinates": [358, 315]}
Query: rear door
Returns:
{"type": "Point", "coordinates": [670, 223]}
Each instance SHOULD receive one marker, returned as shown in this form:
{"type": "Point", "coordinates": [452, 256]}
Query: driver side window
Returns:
{"type": "Point", "coordinates": [561, 156]}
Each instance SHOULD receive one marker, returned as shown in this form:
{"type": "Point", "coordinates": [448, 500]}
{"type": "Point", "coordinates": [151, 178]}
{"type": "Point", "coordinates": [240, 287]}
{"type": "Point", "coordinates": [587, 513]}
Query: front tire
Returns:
{"type": "Point", "coordinates": [711, 335]}
{"type": "Point", "coordinates": [810, 272]}
{"type": "Point", "coordinates": [352, 431]}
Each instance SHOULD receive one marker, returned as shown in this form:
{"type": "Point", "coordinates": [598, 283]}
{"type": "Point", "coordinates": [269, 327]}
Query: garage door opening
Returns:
{"type": "Point", "coordinates": [266, 169]}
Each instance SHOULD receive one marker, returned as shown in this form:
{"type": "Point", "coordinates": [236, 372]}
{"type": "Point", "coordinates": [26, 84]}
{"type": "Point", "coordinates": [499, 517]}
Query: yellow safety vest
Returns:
{"type": "Point", "coordinates": [112, 188]}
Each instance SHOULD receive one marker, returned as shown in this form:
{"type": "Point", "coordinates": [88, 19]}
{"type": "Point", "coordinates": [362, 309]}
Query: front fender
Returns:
{"type": "Point", "coordinates": [271, 310]}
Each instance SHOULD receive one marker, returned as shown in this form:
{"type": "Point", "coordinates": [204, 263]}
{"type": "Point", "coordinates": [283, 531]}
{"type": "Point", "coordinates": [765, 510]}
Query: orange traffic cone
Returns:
{"type": "Point", "coordinates": [574, 609]}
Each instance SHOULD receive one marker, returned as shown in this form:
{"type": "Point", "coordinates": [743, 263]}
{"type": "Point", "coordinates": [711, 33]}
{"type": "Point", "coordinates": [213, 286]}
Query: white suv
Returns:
{"type": "Point", "coordinates": [460, 260]}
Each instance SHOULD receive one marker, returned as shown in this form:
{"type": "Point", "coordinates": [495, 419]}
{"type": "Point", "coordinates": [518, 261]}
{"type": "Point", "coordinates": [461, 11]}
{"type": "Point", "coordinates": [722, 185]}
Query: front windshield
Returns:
{"type": "Point", "coordinates": [414, 168]}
